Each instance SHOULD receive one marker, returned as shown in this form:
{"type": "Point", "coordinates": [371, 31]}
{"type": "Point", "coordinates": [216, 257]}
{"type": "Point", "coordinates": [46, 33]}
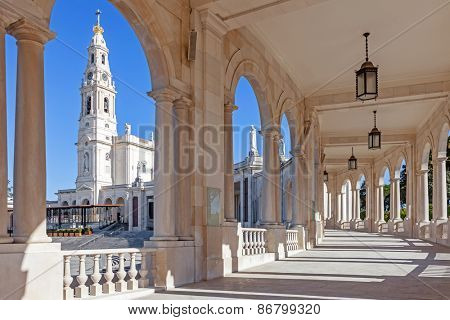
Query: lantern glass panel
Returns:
{"type": "Point", "coordinates": [360, 80]}
{"type": "Point", "coordinates": [371, 82]}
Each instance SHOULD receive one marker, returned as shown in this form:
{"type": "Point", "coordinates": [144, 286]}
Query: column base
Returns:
{"type": "Point", "coordinates": [231, 246]}
{"type": "Point", "coordinates": [174, 265]}
{"type": "Point", "coordinates": [31, 271]}
{"type": "Point", "coordinates": [276, 240]}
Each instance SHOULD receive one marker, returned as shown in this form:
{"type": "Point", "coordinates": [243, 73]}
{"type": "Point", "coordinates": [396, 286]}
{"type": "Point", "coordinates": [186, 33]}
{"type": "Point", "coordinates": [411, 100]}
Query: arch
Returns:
{"type": "Point", "coordinates": [398, 165]}
{"type": "Point", "coordinates": [442, 142]}
{"type": "Point", "coordinates": [65, 204]}
{"type": "Point", "coordinates": [74, 202]}
{"type": "Point", "coordinates": [286, 107]}
{"type": "Point", "coordinates": [252, 72]}
{"type": "Point", "coordinates": [85, 202]}
{"type": "Point", "coordinates": [108, 201]}
{"type": "Point", "coordinates": [106, 105]}
{"type": "Point", "coordinates": [382, 173]}
{"type": "Point", "coordinates": [425, 155]}
{"type": "Point", "coordinates": [143, 19]}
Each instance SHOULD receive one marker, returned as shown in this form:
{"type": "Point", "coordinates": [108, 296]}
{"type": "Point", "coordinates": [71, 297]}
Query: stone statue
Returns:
{"type": "Point", "coordinates": [127, 129]}
{"type": "Point", "coordinates": [253, 146]}
{"type": "Point", "coordinates": [86, 163]}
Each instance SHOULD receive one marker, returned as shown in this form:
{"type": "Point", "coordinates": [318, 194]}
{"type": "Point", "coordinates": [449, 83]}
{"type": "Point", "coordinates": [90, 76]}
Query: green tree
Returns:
{"type": "Point", "coordinates": [362, 198]}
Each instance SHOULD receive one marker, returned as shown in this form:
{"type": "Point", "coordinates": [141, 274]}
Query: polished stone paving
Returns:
{"type": "Point", "coordinates": [347, 265]}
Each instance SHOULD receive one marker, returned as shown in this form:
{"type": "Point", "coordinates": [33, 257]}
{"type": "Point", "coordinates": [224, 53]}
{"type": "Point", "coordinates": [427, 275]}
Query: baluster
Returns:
{"type": "Point", "coordinates": [245, 251]}
{"type": "Point", "coordinates": [132, 283]}
{"type": "Point", "coordinates": [95, 288]}
{"type": "Point", "coordinates": [252, 242]}
{"type": "Point", "coordinates": [258, 242]}
{"type": "Point", "coordinates": [82, 290]}
{"type": "Point", "coordinates": [108, 286]}
{"type": "Point", "coordinates": [263, 234]}
{"type": "Point", "coordinates": [143, 272]}
{"type": "Point", "coordinates": [121, 285]}
{"type": "Point", "coordinates": [68, 291]}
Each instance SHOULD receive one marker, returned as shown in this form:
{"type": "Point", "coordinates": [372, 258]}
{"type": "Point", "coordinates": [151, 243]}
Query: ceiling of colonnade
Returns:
{"type": "Point", "coordinates": [320, 44]}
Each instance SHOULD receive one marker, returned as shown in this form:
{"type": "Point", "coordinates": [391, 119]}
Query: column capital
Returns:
{"type": "Point", "coordinates": [298, 153]}
{"type": "Point", "coordinates": [212, 22]}
{"type": "Point", "coordinates": [422, 172]}
{"type": "Point", "coordinates": [182, 102]}
{"type": "Point", "coordinates": [230, 107]}
{"type": "Point", "coordinates": [24, 30]}
{"type": "Point", "coordinates": [441, 159]}
{"type": "Point", "coordinates": [271, 131]}
{"type": "Point", "coordinates": [164, 95]}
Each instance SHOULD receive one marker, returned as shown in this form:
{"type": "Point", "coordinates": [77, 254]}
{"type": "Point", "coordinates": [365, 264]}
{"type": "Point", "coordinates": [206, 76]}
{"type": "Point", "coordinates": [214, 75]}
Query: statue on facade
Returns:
{"type": "Point", "coordinates": [127, 129]}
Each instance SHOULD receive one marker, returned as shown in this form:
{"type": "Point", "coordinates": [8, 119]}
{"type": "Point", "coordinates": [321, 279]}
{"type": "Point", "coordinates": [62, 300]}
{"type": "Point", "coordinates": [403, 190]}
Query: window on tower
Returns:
{"type": "Point", "coordinates": [92, 58]}
{"type": "Point", "coordinates": [103, 59]}
{"type": "Point", "coordinates": [88, 105]}
{"type": "Point", "coordinates": [106, 105]}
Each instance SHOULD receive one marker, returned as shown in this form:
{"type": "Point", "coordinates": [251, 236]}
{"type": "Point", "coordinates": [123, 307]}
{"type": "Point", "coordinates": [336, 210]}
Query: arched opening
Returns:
{"type": "Point", "coordinates": [247, 154]}
{"type": "Point", "coordinates": [362, 187]}
{"type": "Point", "coordinates": [132, 82]}
{"type": "Point", "coordinates": [400, 175]}
{"type": "Point", "coordinates": [346, 204]}
{"type": "Point", "coordinates": [121, 212]}
{"type": "Point", "coordinates": [386, 195]}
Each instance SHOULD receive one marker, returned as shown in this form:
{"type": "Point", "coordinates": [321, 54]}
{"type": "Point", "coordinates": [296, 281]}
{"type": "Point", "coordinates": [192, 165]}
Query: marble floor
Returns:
{"type": "Point", "coordinates": [347, 265]}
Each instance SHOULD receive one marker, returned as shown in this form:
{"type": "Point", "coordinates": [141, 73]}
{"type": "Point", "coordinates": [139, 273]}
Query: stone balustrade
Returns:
{"type": "Point", "coordinates": [292, 240]}
{"type": "Point", "coordinates": [254, 241]}
{"type": "Point", "coordinates": [89, 273]}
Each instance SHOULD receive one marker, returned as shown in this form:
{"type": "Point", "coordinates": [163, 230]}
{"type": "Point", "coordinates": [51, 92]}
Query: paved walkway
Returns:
{"type": "Point", "coordinates": [347, 265]}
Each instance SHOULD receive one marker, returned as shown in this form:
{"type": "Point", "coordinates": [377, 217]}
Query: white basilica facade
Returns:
{"type": "Point", "coordinates": [112, 169]}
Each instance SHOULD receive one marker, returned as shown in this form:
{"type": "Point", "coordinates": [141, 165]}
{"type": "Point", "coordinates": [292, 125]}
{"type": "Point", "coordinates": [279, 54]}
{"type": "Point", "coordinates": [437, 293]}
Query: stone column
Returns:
{"type": "Point", "coordinates": [392, 198]}
{"type": "Point", "coordinates": [29, 153]}
{"type": "Point", "coordinates": [229, 163]}
{"type": "Point", "coordinates": [424, 214]}
{"type": "Point", "coordinates": [380, 211]}
{"type": "Point", "coordinates": [271, 178]}
{"type": "Point", "coordinates": [354, 213]}
{"type": "Point", "coordinates": [441, 190]}
{"type": "Point", "coordinates": [396, 202]}
{"type": "Point", "coordinates": [329, 206]}
{"type": "Point", "coordinates": [299, 217]}
{"type": "Point", "coordinates": [4, 216]}
{"type": "Point", "coordinates": [164, 182]}
{"type": "Point", "coordinates": [339, 208]}
{"type": "Point", "coordinates": [183, 211]}
{"type": "Point", "coordinates": [358, 204]}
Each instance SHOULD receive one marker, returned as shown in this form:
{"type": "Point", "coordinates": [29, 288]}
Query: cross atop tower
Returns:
{"type": "Point", "coordinates": [98, 13]}
{"type": "Point", "coordinates": [97, 28]}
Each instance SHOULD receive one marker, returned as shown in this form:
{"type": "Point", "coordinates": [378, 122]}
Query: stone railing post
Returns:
{"type": "Point", "coordinates": [81, 291]}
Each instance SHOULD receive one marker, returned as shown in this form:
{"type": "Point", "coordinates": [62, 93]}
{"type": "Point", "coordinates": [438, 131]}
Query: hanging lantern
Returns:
{"type": "Point", "coordinates": [352, 162]}
{"type": "Point", "coordinates": [374, 135]}
{"type": "Point", "coordinates": [325, 176]}
{"type": "Point", "coordinates": [367, 78]}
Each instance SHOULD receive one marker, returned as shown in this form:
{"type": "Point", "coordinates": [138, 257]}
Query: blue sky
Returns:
{"type": "Point", "coordinates": [65, 61]}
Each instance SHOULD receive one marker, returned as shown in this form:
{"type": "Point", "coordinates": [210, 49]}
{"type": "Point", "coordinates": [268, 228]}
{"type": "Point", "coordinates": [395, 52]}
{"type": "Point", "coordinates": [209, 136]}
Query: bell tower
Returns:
{"type": "Point", "coordinates": [97, 123]}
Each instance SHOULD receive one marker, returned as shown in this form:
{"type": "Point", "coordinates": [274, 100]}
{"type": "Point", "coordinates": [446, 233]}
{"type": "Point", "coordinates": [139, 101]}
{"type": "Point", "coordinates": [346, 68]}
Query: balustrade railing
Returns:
{"type": "Point", "coordinates": [254, 241]}
{"type": "Point", "coordinates": [291, 240]}
{"type": "Point", "coordinates": [106, 271]}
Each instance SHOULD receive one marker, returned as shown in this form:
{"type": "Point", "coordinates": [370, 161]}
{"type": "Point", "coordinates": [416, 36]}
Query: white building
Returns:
{"type": "Point", "coordinates": [112, 169]}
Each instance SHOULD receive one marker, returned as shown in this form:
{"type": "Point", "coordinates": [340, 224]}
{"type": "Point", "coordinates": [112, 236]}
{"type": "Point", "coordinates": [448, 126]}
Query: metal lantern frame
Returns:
{"type": "Point", "coordinates": [374, 141]}
{"type": "Point", "coordinates": [325, 176]}
{"type": "Point", "coordinates": [367, 78]}
{"type": "Point", "coordinates": [352, 162]}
